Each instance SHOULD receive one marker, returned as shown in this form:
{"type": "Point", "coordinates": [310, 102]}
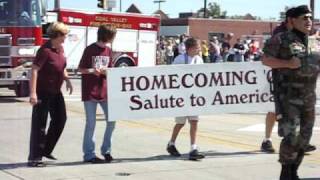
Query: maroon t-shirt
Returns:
{"type": "Point", "coordinates": [94, 87]}
{"type": "Point", "coordinates": [52, 63]}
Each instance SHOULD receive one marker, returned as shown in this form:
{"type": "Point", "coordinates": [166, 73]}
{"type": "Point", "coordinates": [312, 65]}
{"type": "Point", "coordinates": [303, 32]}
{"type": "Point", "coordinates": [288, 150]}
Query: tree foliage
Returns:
{"type": "Point", "coordinates": [248, 16]}
{"type": "Point", "coordinates": [213, 11]}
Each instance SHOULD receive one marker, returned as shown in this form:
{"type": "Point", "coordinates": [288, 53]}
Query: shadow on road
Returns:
{"type": "Point", "coordinates": [208, 154]}
{"type": "Point", "coordinates": [48, 164]}
{"type": "Point", "coordinates": [13, 165]}
{"type": "Point", "coordinates": [222, 154]}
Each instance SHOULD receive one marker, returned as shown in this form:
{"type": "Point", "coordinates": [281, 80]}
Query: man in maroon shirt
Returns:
{"type": "Point", "coordinates": [95, 59]}
{"type": "Point", "coordinates": [47, 76]}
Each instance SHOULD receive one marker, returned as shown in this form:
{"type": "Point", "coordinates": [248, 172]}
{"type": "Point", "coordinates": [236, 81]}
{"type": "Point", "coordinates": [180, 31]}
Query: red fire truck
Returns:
{"type": "Point", "coordinates": [23, 25]}
{"type": "Point", "coordinates": [20, 37]}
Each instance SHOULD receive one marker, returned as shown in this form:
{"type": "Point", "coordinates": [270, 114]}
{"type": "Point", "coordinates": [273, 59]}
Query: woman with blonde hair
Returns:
{"type": "Point", "coordinates": [47, 75]}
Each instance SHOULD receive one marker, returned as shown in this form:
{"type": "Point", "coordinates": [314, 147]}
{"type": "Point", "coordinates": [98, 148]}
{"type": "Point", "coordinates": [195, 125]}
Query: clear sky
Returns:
{"type": "Point", "coordinates": [263, 8]}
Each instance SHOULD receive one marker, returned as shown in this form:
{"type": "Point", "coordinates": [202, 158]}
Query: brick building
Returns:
{"type": "Point", "coordinates": [205, 29]}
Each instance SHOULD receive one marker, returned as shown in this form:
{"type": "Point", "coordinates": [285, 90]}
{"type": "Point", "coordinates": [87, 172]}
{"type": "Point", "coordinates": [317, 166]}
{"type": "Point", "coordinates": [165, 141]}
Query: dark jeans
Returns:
{"type": "Point", "coordinates": [169, 59]}
{"type": "Point", "coordinates": [42, 142]}
{"type": "Point", "coordinates": [205, 59]}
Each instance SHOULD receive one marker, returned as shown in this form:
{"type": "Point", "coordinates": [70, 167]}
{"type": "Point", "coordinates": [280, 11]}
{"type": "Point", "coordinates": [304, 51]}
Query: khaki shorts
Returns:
{"type": "Point", "coordinates": [183, 119]}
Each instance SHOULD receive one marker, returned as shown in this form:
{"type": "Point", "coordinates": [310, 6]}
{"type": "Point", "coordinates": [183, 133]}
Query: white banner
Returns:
{"type": "Point", "coordinates": [183, 90]}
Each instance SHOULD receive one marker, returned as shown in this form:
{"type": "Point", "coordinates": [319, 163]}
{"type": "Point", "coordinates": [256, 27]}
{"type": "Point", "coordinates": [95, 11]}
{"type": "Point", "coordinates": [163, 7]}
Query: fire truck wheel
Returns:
{"type": "Point", "coordinates": [22, 88]}
{"type": "Point", "coordinates": [124, 62]}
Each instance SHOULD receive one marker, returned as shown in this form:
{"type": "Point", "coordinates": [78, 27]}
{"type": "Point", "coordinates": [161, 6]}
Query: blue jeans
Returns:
{"type": "Point", "coordinates": [88, 141]}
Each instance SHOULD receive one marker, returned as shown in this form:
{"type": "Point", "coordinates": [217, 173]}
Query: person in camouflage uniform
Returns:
{"type": "Point", "coordinates": [271, 118]}
{"type": "Point", "coordinates": [294, 83]}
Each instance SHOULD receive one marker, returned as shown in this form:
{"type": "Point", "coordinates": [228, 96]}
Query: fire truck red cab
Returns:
{"type": "Point", "coordinates": [20, 37]}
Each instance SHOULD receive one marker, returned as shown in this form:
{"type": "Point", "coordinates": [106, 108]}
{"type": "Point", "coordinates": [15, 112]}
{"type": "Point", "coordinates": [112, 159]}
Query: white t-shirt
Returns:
{"type": "Point", "coordinates": [182, 48]}
{"type": "Point", "coordinates": [169, 50]}
{"type": "Point", "coordinates": [181, 59]}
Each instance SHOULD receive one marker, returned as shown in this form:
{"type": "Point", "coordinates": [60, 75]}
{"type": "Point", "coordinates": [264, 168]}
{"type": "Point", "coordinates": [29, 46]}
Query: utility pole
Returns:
{"type": "Point", "coordinates": [205, 9]}
{"type": "Point", "coordinates": [56, 4]}
{"type": "Point", "coordinates": [120, 5]}
{"type": "Point", "coordinates": [312, 7]}
{"type": "Point", "coordinates": [159, 2]}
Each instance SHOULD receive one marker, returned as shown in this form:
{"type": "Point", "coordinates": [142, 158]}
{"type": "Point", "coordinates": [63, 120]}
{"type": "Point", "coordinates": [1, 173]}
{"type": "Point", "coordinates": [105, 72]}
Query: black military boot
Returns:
{"type": "Point", "coordinates": [286, 172]}
{"type": "Point", "coordinates": [295, 166]}
{"type": "Point", "coordinates": [294, 172]}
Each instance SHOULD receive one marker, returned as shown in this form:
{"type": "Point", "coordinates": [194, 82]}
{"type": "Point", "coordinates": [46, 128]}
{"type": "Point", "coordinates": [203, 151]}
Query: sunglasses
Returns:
{"type": "Point", "coordinates": [307, 17]}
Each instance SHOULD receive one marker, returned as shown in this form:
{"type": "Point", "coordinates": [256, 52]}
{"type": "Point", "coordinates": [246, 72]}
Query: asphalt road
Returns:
{"type": "Point", "coordinates": [231, 143]}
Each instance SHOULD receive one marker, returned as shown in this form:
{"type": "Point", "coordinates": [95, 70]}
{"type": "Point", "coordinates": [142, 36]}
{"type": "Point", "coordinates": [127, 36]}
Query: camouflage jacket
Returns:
{"type": "Point", "coordinates": [296, 84]}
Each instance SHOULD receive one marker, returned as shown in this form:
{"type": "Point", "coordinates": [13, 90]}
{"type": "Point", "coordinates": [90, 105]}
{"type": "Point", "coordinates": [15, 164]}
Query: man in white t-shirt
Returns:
{"type": "Point", "coordinates": [190, 57]}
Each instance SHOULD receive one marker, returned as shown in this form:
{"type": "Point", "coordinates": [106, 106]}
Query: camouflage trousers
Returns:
{"type": "Point", "coordinates": [295, 126]}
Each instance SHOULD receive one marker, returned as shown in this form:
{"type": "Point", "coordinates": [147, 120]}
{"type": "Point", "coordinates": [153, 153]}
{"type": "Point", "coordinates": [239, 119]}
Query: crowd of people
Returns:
{"type": "Point", "coordinates": [212, 51]}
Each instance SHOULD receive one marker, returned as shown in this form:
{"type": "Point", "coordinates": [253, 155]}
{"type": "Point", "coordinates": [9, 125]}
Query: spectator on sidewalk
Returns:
{"type": "Point", "coordinates": [182, 46]}
{"type": "Point", "coordinates": [214, 50]}
{"type": "Point", "coordinates": [205, 51]}
{"type": "Point", "coordinates": [239, 51]}
{"type": "Point", "coordinates": [169, 51]}
{"type": "Point", "coordinates": [225, 46]}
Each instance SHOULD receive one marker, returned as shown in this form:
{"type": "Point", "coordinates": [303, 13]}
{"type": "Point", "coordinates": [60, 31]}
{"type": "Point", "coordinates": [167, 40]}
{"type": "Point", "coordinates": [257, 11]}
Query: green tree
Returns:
{"type": "Point", "coordinates": [248, 16]}
{"type": "Point", "coordinates": [213, 11]}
